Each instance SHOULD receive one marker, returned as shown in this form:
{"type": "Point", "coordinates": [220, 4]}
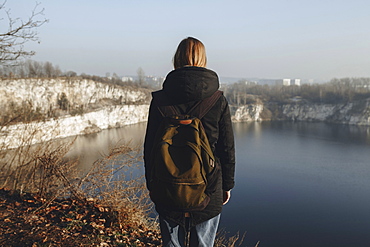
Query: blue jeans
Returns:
{"type": "Point", "coordinates": [201, 235]}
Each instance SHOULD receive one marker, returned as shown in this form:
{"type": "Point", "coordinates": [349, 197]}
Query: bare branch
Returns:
{"type": "Point", "coordinates": [19, 32]}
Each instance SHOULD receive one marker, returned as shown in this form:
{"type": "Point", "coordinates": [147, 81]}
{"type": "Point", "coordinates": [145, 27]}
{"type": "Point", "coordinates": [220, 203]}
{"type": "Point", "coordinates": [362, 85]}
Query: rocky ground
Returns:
{"type": "Point", "coordinates": [26, 220]}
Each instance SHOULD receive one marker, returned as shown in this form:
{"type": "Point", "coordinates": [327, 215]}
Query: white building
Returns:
{"type": "Point", "coordinates": [127, 79]}
{"type": "Point", "coordinates": [296, 82]}
{"type": "Point", "coordinates": [286, 82]}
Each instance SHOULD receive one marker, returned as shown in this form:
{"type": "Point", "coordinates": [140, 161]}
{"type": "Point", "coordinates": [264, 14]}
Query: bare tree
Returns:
{"type": "Point", "coordinates": [49, 70]}
{"type": "Point", "coordinates": [18, 33]}
{"type": "Point", "coordinates": [140, 76]}
{"type": "Point", "coordinates": [35, 69]}
{"type": "Point", "coordinates": [57, 71]}
{"type": "Point", "coordinates": [70, 73]}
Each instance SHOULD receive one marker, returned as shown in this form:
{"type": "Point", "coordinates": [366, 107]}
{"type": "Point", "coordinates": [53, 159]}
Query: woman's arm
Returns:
{"type": "Point", "coordinates": [154, 119]}
{"type": "Point", "coordinates": [225, 149]}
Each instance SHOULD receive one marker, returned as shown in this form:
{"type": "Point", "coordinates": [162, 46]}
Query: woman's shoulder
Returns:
{"type": "Point", "coordinates": [223, 101]}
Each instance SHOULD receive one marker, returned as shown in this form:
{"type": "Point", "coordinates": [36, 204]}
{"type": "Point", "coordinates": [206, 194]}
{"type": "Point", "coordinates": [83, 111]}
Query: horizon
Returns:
{"type": "Point", "coordinates": [265, 39]}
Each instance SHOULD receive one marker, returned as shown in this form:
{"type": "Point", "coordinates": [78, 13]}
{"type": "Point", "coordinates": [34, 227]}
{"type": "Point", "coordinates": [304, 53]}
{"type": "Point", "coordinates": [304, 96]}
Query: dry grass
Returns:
{"type": "Point", "coordinates": [43, 170]}
{"type": "Point", "coordinates": [112, 180]}
{"type": "Point", "coordinates": [38, 168]}
{"type": "Point", "coordinates": [235, 240]}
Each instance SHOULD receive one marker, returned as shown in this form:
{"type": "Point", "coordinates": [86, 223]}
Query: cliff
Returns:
{"type": "Point", "coordinates": [246, 113]}
{"type": "Point", "coordinates": [40, 131]}
{"type": "Point", "coordinates": [100, 105]}
{"type": "Point", "coordinates": [45, 95]}
{"type": "Point", "coordinates": [356, 113]}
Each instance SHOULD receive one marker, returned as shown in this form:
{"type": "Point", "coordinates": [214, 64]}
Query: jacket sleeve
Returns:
{"type": "Point", "coordinates": [225, 149]}
{"type": "Point", "coordinates": [154, 119]}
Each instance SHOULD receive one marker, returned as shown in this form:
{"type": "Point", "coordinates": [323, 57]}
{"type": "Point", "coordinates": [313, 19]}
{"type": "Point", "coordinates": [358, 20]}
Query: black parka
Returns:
{"type": "Point", "coordinates": [184, 87]}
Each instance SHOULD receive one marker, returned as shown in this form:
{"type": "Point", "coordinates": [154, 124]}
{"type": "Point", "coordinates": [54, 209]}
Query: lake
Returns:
{"type": "Point", "coordinates": [301, 184]}
{"type": "Point", "coordinates": [297, 184]}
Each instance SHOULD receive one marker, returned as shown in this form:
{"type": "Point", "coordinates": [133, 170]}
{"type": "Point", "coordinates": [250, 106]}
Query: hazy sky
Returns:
{"type": "Point", "coordinates": [274, 39]}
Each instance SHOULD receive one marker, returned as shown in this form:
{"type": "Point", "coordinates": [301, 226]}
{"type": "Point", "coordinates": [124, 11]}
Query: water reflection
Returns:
{"type": "Point", "coordinates": [89, 148]}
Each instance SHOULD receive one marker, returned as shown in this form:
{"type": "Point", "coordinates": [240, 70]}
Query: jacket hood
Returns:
{"type": "Point", "coordinates": [190, 84]}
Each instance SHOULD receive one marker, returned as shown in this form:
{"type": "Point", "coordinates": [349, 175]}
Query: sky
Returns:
{"type": "Point", "coordinates": [271, 39]}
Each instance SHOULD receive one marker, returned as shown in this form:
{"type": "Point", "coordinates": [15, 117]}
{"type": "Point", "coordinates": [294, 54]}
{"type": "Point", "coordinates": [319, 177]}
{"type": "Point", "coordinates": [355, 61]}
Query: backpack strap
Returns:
{"type": "Point", "coordinates": [199, 109]}
{"type": "Point", "coordinates": [163, 104]}
{"type": "Point", "coordinates": [202, 107]}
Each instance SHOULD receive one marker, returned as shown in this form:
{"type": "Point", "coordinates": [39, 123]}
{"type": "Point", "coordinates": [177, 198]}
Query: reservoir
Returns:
{"type": "Point", "coordinates": [297, 184]}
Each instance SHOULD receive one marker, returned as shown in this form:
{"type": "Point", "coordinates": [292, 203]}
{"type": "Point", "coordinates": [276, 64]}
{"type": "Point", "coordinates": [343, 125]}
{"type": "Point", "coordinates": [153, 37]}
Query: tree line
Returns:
{"type": "Point", "coordinates": [46, 70]}
{"type": "Point", "coordinates": [32, 69]}
{"type": "Point", "coordinates": [335, 91]}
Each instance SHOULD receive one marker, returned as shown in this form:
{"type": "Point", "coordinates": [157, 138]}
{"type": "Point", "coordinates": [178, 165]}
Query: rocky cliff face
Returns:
{"type": "Point", "coordinates": [251, 112]}
{"type": "Point", "coordinates": [40, 131]}
{"type": "Point", "coordinates": [357, 113]}
{"type": "Point", "coordinates": [105, 106]}
{"type": "Point", "coordinates": [44, 94]}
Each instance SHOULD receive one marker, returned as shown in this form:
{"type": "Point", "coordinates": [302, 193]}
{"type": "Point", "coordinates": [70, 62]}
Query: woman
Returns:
{"type": "Point", "coordinates": [188, 84]}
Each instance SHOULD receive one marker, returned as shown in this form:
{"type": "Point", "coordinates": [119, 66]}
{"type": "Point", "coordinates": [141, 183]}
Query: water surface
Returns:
{"type": "Point", "coordinates": [297, 184]}
{"type": "Point", "coordinates": [301, 184]}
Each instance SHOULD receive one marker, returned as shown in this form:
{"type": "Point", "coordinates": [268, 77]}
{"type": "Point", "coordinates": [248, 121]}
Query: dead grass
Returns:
{"type": "Point", "coordinates": [233, 241]}
{"type": "Point", "coordinates": [113, 181]}
{"type": "Point", "coordinates": [37, 168]}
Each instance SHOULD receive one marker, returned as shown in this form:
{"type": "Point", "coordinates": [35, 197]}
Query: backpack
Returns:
{"type": "Point", "coordinates": [183, 166]}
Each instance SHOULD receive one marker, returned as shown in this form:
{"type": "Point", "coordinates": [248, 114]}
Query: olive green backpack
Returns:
{"type": "Point", "coordinates": [182, 161]}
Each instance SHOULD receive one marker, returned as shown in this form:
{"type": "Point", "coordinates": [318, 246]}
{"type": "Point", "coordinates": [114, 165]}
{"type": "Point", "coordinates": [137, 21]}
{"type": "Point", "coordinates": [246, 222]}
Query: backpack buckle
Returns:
{"type": "Point", "coordinates": [186, 121]}
{"type": "Point", "coordinates": [183, 120]}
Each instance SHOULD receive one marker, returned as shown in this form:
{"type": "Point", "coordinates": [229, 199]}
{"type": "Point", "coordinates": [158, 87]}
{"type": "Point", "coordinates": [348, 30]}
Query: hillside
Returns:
{"type": "Point", "coordinates": [53, 108]}
{"type": "Point", "coordinates": [354, 113]}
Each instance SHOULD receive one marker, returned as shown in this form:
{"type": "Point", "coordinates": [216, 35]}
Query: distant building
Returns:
{"type": "Point", "coordinates": [296, 82]}
{"type": "Point", "coordinates": [154, 81]}
{"type": "Point", "coordinates": [127, 79]}
{"type": "Point", "coordinates": [286, 82]}
{"type": "Point", "coordinates": [281, 82]}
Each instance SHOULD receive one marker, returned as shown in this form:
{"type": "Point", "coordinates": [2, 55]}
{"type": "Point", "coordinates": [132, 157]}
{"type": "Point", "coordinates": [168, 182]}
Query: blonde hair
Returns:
{"type": "Point", "coordinates": [190, 52]}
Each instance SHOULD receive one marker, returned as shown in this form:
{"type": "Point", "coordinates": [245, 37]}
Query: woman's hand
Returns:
{"type": "Point", "coordinates": [227, 195]}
